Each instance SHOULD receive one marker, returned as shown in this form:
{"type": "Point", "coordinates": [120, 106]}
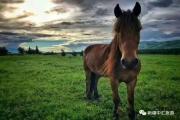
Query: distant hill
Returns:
{"type": "Point", "coordinates": [160, 45]}
{"type": "Point", "coordinates": [143, 45]}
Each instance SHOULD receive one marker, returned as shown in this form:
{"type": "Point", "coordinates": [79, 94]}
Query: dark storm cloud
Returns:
{"type": "Point", "coordinates": [101, 11]}
{"type": "Point", "coordinates": [4, 5]}
{"type": "Point", "coordinates": [161, 19]}
{"type": "Point", "coordinates": [6, 37]}
{"type": "Point", "coordinates": [104, 6]}
{"type": "Point", "coordinates": [11, 37]}
{"type": "Point", "coordinates": [85, 4]}
{"type": "Point", "coordinates": [13, 24]}
{"type": "Point", "coordinates": [161, 3]}
{"type": "Point", "coordinates": [11, 1]}
{"type": "Point", "coordinates": [160, 15]}
{"type": "Point", "coordinates": [95, 13]}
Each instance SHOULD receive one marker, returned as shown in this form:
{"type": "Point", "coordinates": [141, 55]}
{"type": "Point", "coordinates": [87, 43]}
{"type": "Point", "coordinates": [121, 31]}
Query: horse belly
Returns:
{"type": "Point", "coordinates": [93, 64]}
{"type": "Point", "coordinates": [95, 59]}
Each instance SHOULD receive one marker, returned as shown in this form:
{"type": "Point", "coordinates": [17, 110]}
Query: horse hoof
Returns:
{"type": "Point", "coordinates": [96, 97]}
{"type": "Point", "coordinates": [132, 116]}
{"type": "Point", "coordinates": [117, 114]}
{"type": "Point", "coordinates": [89, 98]}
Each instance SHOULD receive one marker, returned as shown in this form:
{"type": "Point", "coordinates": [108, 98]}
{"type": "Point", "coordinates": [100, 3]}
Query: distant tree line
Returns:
{"type": "Point", "coordinates": [36, 51]}
{"type": "Point", "coordinates": [175, 51]}
{"type": "Point", "coordinates": [73, 53]}
{"type": "Point", "coordinates": [29, 51]}
{"type": "Point", "coordinates": [4, 51]}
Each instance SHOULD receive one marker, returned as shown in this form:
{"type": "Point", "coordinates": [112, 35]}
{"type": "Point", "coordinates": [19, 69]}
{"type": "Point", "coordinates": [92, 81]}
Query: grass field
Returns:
{"type": "Point", "coordinates": [37, 87]}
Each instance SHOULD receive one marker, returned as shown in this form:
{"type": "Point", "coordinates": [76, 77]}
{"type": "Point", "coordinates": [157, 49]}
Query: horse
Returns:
{"type": "Point", "coordinates": [118, 60]}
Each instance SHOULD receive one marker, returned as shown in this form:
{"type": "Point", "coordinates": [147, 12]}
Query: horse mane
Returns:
{"type": "Point", "coordinates": [113, 57]}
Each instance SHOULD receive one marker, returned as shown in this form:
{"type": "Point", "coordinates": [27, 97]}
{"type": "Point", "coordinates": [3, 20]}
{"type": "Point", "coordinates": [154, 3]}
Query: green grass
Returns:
{"type": "Point", "coordinates": [53, 88]}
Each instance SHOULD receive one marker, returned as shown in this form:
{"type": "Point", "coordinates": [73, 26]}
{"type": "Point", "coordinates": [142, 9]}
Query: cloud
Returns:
{"type": "Point", "coordinates": [102, 11]}
{"type": "Point", "coordinates": [87, 19]}
{"type": "Point", "coordinates": [161, 3]}
{"type": "Point", "coordinates": [11, 1]}
{"type": "Point", "coordinates": [164, 19]}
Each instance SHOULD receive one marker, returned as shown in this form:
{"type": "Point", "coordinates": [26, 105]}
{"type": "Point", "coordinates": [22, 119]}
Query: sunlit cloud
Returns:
{"type": "Point", "coordinates": [41, 11]}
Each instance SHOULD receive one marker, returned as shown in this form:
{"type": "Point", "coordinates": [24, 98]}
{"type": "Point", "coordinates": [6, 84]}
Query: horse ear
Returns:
{"type": "Point", "coordinates": [137, 9]}
{"type": "Point", "coordinates": [117, 11]}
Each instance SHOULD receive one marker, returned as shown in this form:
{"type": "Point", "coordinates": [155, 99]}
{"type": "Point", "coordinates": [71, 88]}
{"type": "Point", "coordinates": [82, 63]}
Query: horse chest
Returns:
{"type": "Point", "coordinates": [127, 76]}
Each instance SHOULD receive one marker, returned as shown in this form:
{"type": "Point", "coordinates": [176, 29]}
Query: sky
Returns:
{"type": "Point", "coordinates": [82, 22]}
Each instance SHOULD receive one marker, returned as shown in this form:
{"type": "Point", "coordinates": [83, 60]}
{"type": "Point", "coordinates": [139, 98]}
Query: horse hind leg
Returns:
{"type": "Point", "coordinates": [96, 94]}
{"type": "Point", "coordinates": [88, 82]}
{"type": "Point", "coordinates": [91, 85]}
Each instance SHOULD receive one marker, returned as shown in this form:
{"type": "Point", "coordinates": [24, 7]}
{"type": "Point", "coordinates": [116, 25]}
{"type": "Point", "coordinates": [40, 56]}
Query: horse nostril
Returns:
{"type": "Point", "coordinates": [135, 62]}
{"type": "Point", "coordinates": [123, 62]}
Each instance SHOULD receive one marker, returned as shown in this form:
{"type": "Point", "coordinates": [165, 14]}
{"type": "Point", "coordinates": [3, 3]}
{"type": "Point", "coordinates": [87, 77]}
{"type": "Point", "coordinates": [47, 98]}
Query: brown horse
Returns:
{"type": "Point", "coordinates": [117, 60]}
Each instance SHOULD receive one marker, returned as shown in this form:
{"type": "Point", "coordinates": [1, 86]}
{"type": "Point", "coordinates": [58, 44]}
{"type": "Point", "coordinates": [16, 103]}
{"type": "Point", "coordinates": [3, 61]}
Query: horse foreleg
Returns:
{"type": "Point", "coordinates": [130, 90]}
{"type": "Point", "coordinates": [116, 99]}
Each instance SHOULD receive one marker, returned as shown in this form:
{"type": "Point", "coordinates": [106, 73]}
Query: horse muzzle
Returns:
{"type": "Point", "coordinates": [132, 64]}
